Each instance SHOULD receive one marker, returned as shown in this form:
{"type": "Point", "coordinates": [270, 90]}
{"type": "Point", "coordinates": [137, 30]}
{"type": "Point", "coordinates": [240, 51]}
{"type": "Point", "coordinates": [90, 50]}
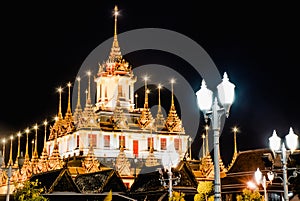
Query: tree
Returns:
{"type": "Point", "coordinates": [109, 196]}
{"type": "Point", "coordinates": [249, 195]}
{"type": "Point", "coordinates": [29, 191]}
{"type": "Point", "coordinates": [205, 191]}
{"type": "Point", "coordinates": [177, 196]}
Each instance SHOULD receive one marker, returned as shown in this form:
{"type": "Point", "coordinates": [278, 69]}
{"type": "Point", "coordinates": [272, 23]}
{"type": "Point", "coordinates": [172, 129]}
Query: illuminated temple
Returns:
{"type": "Point", "coordinates": [114, 145]}
{"type": "Point", "coordinates": [113, 129]}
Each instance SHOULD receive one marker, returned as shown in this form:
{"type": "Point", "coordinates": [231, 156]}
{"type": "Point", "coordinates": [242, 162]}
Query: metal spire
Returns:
{"type": "Point", "coordinates": [59, 107]}
{"type": "Point", "coordinates": [146, 93]}
{"type": "Point", "coordinates": [10, 162]}
{"type": "Point", "coordinates": [69, 98]}
{"type": "Point", "coordinates": [206, 139]}
{"type": "Point", "coordinates": [35, 153]}
{"type": "Point", "coordinates": [26, 151]}
{"type": "Point", "coordinates": [78, 106]}
{"type": "Point", "coordinates": [89, 88]}
{"type": "Point", "coordinates": [235, 130]}
{"type": "Point", "coordinates": [45, 137]}
{"type": "Point", "coordinates": [115, 52]}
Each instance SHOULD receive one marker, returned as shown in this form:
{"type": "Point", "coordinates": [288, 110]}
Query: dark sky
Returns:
{"type": "Point", "coordinates": [43, 47]}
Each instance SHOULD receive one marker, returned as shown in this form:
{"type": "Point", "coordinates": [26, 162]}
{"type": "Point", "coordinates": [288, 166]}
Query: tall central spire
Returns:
{"type": "Point", "coordinates": [115, 53]}
{"type": "Point", "coordinates": [116, 12]}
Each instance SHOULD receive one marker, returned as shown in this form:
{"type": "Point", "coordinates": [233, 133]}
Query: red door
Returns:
{"type": "Point", "coordinates": [136, 147]}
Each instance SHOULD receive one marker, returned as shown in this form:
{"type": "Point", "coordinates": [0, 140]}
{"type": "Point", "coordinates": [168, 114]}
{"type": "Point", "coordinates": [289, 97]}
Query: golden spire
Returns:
{"type": "Point", "coordinates": [116, 12]}
{"type": "Point", "coordinates": [173, 122]}
{"type": "Point", "coordinates": [235, 130]}
{"type": "Point", "coordinates": [42, 162]}
{"type": "Point", "coordinates": [35, 153]}
{"type": "Point", "coordinates": [10, 162]}
{"type": "Point", "coordinates": [89, 88]}
{"type": "Point", "coordinates": [45, 137]}
{"type": "Point", "coordinates": [203, 144]}
{"type": "Point", "coordinates": [159, 120]}
{"type": "Point", "coordinates": [159, 103]}
{"type": "Point", "coordinates": [235, 153]}
{"type": "Point", "coordinates": [172, 88]}
{"type": "Point", "coordinates": [146, 93]}
{"type": "Point", "coordinates": [3, 162]}
{"type": "Point", "coordinates": [206, 139]}
{"type": "Point", "coordinates": [115, 53]}
{"type": "Point", "coordinates": [78, 111]}
{"type": "Point", "coordinates": [18, 152]}
{"type": "Point", "coordinates": [26, 151]}
{"type": "Point", "coordinates": [59, 107]}
{"type": "Point", "coordinates": [86, 96]}
{"type": "Point", "coordinates": [78, 94]}
{"type": "Point", "coordinates": [146, 119]}
{"type": "Point", "coordinates": [69, 98]}
{"type": "Point", "coordinates": [136, 96]}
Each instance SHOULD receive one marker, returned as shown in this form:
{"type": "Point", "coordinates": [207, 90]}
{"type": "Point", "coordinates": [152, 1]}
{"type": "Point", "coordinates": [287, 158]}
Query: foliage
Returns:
{"type": "Point", "coordinates": [296, 185]}
{"type": "Point", "coordinates": [211, 198]}
{"type": "Point", "coordinates": [109, 196]}
{"type": "Point", "coordinates": [177, 196]}
{"type": "Point", "coordinates": [205, 191]}
{"type": "Point", "coordinates": [29, 191]}
{"type": "Point", "coordinates": [249, 195]}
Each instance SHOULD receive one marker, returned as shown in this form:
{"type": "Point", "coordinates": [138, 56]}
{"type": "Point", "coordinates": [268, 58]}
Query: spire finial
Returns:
{"type": "Point", "coordinates": [159, 103]}
{"type": "Point", "coordinates": [86, 96]}
{"type": "Point", "coordinates": [172, 88]}
{"type": "Point", "coordinates": [59, 107]}
{"type": "Point", "coordinates": [206, 139]}
{"type": "Point", "coordinates": [3, 162]}
{"type": "Point", "coordinates": [26, 151]}
{"type": "Point", "coordinates": [35, 143]}
{"type": "Point", "coordinates": [78, 93]}
{"type": "Point", "coordinates": [203, 144]}
{"type": "Point", "coordinates": [18, 153]}
{"type": "Point", "coordinates": [10, 162]}
{"type": "Point", "coordinates": [45, 137]}
{"type": "Point", "coordinates": [235, 130]}
{"type": "Point", "coordinates": [146, 92]}
{"type": "Point", "coordinates": [136, 96]}
{"type": "Point", "coordinates": [115, 52]}
{"type": "Point", "coordinates": [69, 98]}
{"type": "Point", "coordinates": [89, 88]}
{"type": "Point", "coordinates": [116, 13]}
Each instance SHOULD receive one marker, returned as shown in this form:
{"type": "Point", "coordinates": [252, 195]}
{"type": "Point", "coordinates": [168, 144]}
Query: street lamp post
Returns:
{"type": "Point", "coordinates": [214, 112]}
{"type": "Point", "coordinates": [171, 177]}
{"type": "Point", "coordinates": [277, 147]}
{"type": "Point", "coordinates": [260, 179]}
{"type": "Point", "coordinates": [169, 160]}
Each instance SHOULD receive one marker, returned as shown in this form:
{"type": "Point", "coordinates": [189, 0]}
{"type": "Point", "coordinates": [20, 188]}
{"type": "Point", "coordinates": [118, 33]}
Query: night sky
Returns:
{"type": "Point", "coordinates": [44, 45]}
